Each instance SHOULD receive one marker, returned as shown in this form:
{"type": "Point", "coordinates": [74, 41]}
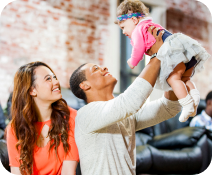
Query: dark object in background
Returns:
{"type": "Point", "coordinates": [71, 99]}
{"type": "Point", "coordinates": [4, 155]}
{"type": "Point", "coordinates": [2, 119]}
{"type": "Point", "coordinates": [1, 134]}
{"type": "Point", "coordinates": [183, 151]}
{"type": "Point", "coordinates": [9, 103]}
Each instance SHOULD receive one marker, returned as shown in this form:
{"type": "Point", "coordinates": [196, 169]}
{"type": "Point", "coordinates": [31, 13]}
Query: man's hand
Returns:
{"type": "Point", "coordinates": [170, 95]}
{"type": "Point", "coordinates": [159, 41]}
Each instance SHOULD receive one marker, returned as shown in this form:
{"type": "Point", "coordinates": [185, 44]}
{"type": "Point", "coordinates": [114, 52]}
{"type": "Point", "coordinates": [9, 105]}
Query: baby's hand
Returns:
{"type": "Point", "coordinates": [131, 66]}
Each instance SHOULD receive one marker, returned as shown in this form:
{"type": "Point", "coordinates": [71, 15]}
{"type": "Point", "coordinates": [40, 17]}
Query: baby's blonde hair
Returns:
{"type": "Point", "coordinates": [132, 6]}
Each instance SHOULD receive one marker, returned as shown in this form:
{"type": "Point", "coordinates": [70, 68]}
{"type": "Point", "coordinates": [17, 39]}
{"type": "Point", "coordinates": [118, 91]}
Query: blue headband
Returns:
{"type": "Point", "coordinates": [130, 15]}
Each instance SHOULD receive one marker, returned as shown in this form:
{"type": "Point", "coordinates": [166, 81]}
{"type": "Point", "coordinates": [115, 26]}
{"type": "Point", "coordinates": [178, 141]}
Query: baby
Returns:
{"type": "Point", "coordinates": [180, 55]}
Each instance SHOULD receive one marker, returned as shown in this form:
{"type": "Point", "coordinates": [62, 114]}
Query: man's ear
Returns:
{"type": "Point", "coordinates": [33, 92]}
{"type": "Point", "coordinates": [209, 102]}
{"type": "Point", "coordinates": [85, 86]}
{"type": "Point", "coordinates": [135, 20]}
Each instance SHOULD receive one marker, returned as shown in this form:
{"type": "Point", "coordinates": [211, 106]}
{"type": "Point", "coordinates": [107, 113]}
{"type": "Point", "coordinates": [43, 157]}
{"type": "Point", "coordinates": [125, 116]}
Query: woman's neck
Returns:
{"type": "Point", "coordinates": [44, 111]}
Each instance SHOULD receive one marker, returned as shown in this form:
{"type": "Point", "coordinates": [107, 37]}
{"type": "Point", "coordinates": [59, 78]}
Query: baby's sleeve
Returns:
{"type": "Point", "coordinates": [138, 47]}
{"type": "Point", "coordinates": [14, 155]}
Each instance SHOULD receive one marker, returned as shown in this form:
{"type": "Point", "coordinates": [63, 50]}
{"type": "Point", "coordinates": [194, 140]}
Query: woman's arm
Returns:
{"type": "Point", "coordinates": [69, 167]}
{"type": "Point", "coordinates": [15, 170]}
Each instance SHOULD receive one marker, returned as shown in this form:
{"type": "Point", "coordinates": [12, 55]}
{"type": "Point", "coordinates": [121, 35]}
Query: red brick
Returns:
{"type": "Point", "coordinates": [63, 48]}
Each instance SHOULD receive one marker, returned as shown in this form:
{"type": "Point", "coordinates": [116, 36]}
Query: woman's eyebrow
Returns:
{"type": "Point", "coordinates": [46, 76]}
{"type": "Point", "coordinates": [49, 75]}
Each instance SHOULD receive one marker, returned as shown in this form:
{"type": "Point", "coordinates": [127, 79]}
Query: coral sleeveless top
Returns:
{"type": "Point", "coordinates": [45, 162]}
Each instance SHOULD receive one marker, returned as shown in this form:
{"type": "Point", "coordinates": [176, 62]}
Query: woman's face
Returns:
{"type": "Point", "coordinates": [47, 87]}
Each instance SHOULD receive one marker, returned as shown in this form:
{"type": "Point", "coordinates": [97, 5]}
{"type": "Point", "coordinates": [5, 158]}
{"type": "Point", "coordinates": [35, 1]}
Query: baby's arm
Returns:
{"type": "Point", "coordinates": [138, 48]}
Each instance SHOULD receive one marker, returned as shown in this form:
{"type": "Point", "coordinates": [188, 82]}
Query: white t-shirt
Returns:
{"type": "Point", "coordinates": [105, 130]}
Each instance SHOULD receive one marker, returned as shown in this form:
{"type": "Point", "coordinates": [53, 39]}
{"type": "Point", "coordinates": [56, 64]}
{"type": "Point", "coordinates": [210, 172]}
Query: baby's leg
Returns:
{"type": "Point", "coordinates": [174, 80]}
{"type": "Point", "coordinates": [181, 92]}
{"type": "Point", "coordinates": [191, 88]}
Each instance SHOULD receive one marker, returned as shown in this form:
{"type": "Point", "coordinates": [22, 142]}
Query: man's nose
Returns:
{"type": "Point", "coordinates": [104, 69]}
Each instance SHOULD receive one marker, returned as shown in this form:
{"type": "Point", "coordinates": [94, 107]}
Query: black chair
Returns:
{"type": "Point", "coordinates": [172, 147]}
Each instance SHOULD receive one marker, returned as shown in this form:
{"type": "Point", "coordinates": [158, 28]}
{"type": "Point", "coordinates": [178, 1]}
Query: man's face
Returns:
{"type": "Point", "coordinates": [127, 27]}
{"type": "Point", "coordinates": [98, 77]}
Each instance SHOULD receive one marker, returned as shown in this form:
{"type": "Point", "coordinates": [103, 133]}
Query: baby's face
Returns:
{"type": "Point", "coordinates": [127, 27]}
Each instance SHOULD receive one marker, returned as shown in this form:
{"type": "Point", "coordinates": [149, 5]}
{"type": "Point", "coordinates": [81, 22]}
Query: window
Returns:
{"type": "Point", "coordinates": [128, 75]}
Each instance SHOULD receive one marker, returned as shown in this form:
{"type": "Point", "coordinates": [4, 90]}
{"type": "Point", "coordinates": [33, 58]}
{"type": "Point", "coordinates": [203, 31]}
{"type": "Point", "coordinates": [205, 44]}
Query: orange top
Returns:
{"type": "Point", "coordinates": [45, 162]}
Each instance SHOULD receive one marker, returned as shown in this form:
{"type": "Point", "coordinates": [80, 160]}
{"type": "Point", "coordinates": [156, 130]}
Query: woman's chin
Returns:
{"type": "Point", "coordinates": [58, 97]}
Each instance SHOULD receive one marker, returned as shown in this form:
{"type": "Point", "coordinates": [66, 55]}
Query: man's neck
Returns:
{"type": "Point", "coordinates": [99, 96]}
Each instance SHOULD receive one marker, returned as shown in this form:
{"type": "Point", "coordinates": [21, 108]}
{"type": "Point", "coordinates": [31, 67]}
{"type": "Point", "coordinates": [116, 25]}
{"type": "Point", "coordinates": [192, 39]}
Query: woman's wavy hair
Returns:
{"type": "Point", "coordinates": [24, 117]}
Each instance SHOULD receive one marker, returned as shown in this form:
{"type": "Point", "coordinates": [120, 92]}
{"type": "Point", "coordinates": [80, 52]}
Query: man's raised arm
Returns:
{"type": "Point", "coordinates": [157, 111]}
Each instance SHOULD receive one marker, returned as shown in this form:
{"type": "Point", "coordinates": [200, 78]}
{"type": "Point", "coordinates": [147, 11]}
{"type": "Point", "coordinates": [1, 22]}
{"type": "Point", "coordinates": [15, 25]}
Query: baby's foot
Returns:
{"type": "Point", "coordinates": [196, 97]}
{"type": "Point", "coordinates": [188, 108]}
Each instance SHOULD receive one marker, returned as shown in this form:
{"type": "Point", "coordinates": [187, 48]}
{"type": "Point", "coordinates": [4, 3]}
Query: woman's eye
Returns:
{"type": "Point", "coordinates": [54, 77]}
{"type": "Point", "coordinates": [48, 78]}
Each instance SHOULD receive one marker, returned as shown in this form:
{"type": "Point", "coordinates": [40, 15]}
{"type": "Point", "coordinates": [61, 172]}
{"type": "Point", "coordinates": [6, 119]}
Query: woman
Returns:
{"type": "Point", "coordinates": [40, 137]}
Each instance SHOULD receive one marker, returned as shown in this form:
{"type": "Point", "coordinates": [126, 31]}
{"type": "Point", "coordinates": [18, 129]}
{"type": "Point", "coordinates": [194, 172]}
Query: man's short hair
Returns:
{"type": "Point", "coordinates": [78, 77]}
{"type": "Point", "coordinates": [208, 97]}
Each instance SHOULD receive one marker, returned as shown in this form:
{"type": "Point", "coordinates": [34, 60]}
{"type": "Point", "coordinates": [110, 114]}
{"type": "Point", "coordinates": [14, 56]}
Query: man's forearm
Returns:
{"type": "Point", "coordinates": [155, 112]}
{"type": "Point", "coordinates": [151, 71]}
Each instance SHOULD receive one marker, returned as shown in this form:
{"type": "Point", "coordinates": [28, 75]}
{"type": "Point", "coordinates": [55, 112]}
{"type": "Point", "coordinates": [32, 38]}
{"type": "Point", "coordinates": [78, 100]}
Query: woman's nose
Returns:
{"type": "Point", "coordinates": [55, 82]}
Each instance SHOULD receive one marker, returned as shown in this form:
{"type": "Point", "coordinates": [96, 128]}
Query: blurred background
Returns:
{"type": "Point", "coordinates": [67, 33]}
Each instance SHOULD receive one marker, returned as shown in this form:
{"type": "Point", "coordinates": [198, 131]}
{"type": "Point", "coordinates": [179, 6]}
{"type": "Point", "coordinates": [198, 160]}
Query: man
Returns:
{"type": "Point", "coordinates": [205, 118]}
{"type": "Point", "coordinates": [105, 127]}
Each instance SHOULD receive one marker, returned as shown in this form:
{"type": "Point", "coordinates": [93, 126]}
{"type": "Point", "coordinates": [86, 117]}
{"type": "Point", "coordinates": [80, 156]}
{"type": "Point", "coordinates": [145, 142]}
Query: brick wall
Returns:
{"type": "Point", "coordinates": [62, 33]}
{"type": "Point", "coordinates": [193, 18]}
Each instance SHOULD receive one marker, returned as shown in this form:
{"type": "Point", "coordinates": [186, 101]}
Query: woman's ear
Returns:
{"type": "Point", "coordinates": [33, 92]}
{"type": "Point", "coordinates": [84, 86]}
